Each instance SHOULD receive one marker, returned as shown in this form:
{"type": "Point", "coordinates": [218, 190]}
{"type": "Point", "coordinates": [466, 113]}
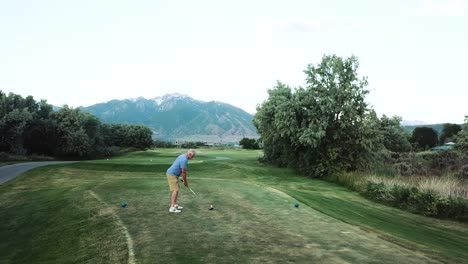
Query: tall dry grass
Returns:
{"type": "Point", "coordinates": [446, 185]}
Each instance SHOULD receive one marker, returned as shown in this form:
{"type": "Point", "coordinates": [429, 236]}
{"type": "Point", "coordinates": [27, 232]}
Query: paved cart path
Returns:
{"type": "Point", "coordinates": [10, 171]}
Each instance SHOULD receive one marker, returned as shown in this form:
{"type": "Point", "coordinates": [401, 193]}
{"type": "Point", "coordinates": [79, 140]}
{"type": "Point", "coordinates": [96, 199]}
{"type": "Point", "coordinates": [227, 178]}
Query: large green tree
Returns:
{"type": "Point", "coordinates": [448, 132]}
{"type": "Point", "coordinates": [394, 136]}
{"type": "Point", "coordinates": [16, 113]}
{"type": "Point", "coordinates": [462, 139]}
{"type": "Point", "coordinates": [249, 143]}
{"type": "Point", "coordinates": [272, 119]}
{"type": "Point", "coordinates": [323, 127]}
{"type": "Point", "coordinates": [30, 127]}
{"type": "Point", "coordinates": [75, 138]}
{"type": "Point", "coordinates": [124, 135]}
{"type": "Point", "coordinates": [41, 135]}
{"type": "Point", "coordinates": [424, 138]}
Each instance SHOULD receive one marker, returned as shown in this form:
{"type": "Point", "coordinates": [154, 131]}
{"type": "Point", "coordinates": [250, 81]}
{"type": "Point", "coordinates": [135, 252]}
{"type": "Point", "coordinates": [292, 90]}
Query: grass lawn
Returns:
{"type": "Point", "coordinates": [71, 214]}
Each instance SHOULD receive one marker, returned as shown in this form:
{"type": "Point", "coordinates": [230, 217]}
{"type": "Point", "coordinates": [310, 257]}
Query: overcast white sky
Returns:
{"type": "Point", "coordinates": [80, 53]}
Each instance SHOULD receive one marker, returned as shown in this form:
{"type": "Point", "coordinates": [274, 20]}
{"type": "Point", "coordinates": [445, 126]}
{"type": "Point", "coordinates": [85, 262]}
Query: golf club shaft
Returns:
{"type": "Point", "coordinates": [192, 190]}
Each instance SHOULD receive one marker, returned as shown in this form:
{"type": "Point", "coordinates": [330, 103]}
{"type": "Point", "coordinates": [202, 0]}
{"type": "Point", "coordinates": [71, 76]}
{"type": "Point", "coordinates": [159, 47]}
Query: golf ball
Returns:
{"type": "Point", "coordinates": [123, 204]}
{"type": "Point", "coordinates": [296, 204]}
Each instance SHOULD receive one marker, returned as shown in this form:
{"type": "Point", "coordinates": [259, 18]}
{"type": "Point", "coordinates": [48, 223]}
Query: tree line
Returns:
{"type": "Point", "coordinates": [327, 126]}
{"type": "Point", "coordinates": [28, 127]}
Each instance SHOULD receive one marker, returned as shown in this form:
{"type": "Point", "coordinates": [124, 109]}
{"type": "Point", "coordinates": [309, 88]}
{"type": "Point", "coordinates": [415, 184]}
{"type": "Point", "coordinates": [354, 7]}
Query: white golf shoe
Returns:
{"type": "Point", "coordinates": [178, 207]}
{"type": "Point", "coordinates": [174, 210]}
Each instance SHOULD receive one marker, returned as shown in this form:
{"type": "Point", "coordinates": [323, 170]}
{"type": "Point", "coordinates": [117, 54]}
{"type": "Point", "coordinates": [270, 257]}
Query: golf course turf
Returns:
{"type": "Point", "coordinates": [72, 214]}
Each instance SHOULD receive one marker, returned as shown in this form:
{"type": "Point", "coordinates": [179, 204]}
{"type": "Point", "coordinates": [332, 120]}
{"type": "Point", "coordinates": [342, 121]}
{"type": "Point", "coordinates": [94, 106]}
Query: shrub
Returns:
{"type": "Point", "coordinates": [375, 191]}
{"type": "Point", "coordinates": [424, 202]}
{"type": "Point", "coordinates": [189, 145]}
{"type": "Point", "coordinates": [404, 168]}
{"type": "Point", "coordinates": [402, 195]}
{"type": "Point", "coordinates": [454, 207]}
{"type": "Point", "coordinates": [464, 171]}
{"type": "Point", "coordinates": [41, 158]}
{"type": "Point", "coordinates": [421, 201]}
{"type": "Point", "coordinates": [163, 144]}
{"type": "Point", "coordinates": [3, 156]}
{"type": "Point", "coordinates": [447, 160]}
{"type": "Point", "coordinates": [411, 164]}
{"type": "Point", "coordinates": [353, 181]}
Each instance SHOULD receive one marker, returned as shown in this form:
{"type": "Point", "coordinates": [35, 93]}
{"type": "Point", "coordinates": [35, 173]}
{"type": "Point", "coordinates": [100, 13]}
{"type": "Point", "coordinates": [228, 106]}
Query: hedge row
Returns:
{"type": "Point", "coordinates": [426, 202]}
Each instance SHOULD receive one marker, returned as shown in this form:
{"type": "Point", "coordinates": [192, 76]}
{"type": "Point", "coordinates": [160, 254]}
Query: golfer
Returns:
{"type": "Point", "coordinates": [177, 168]}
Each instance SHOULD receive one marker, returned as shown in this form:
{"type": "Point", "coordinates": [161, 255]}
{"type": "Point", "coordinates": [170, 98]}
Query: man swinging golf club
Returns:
{"type": "Point", "coordinates": [177, 168]}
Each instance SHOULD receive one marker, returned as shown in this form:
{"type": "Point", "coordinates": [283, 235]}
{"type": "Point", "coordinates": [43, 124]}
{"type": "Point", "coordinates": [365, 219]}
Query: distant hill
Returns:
{"type": "Point", "coordinates": [437, 127]}
{"type": "Point", "coordinates": [180, 117]}
{"type": "Point", "coordinates": [412, 123]}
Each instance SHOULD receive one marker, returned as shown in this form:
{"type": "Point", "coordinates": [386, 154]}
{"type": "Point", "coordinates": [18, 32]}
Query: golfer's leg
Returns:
{"type": "Point", "coordinates": [174, 198]}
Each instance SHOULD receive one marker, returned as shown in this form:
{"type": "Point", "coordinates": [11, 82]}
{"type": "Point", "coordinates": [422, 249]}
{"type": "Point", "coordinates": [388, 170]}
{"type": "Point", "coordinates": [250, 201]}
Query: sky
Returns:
{"type": "Point", "coordinates": [80, 53]}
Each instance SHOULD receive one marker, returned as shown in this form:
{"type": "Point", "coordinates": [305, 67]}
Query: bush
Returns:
{"type": "Point", "coordinates": [106, 151]}
{"type": "Point", "coordinates": [351, 180]}
{"type": "Point", "coordinates": [409, 164]}
{"type": "Point", "coordinates": [464, 171]}
{"type": "Point", "coordinates": [163, 144]}
{"type": "Point", "coordinates": [3, 156]}
{"type": "Point", "coordinates": [41, 158]}
{"type": "Point", "coordinates": [375, 191]}
{"type": "Point", "coordinates": [404, 168]}
{"type": "Point", "coordinates": [189, 145]}
{"type": "Point", "coordinates": [426, 202]}
{"type": "Point", "coordinates": [402, 195]}
{"type": "Point", "coordinates": [427, 163]}
{"type": "Point", "coordinates": [453, 207]}
{"type": "Point", "coordinates": [440, 161]}
{"type": "Point", "coordinates": [10, 157]}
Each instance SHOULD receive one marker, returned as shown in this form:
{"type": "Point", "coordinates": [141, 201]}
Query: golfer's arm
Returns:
{"type": "Point", "coordinates": [184, 175]}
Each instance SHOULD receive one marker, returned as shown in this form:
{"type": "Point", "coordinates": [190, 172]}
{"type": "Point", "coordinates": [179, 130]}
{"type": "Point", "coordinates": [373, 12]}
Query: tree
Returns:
{"type": "Point", "coordinates": [73, 137]}
{"type": "Point", "coordinates": [124, 135]}
{"type": "Point", "coordinates": [394, 136]}
{"type": "Point", "coordinates": [41, 137]}
{"type": "Point", "coordinates": [462, 139]}
{"type": "Point", "coordinates": [138, 136]}
{"type": "Point", "coordinates": [448, 132]}
{"type": "Point", "coordinates": [271, 123]}
{"type": "Point", "coordinates": [249, 143]}
{"type": "Point", "coordinates": [28, 127]}
{"type": "Point", "coordinates": [12, 128]}
{"type": "Point", "coordinates": [16, 114]}
{"type": "Point", "coordinates": [424, 138]}
{"type": "Point", "coordinates": [325, 126]}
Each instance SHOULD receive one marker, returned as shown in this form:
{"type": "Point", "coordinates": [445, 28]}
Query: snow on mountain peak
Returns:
{"type": "Point", "coordinates": [159, 100]}
{"type": "Point", "coordinates": [137, 99]}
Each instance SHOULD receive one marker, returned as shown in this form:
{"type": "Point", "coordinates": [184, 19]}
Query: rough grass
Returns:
{"type": "Point", "coordinates": [71, 214]}
{"type": "Point", "coordinates": [446, 185]}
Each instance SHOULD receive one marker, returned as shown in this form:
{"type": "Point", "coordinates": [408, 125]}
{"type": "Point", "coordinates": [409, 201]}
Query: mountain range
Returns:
{"type": "Point", "coordinates": [177, 117]}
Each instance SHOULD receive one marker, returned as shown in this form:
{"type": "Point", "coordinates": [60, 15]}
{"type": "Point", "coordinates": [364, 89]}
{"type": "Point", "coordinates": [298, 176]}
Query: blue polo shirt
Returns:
{"type": "Point", "coordinates": [180, 163]}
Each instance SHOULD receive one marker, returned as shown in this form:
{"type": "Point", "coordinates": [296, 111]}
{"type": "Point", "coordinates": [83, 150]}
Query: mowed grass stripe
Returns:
{"type": "Point", "coordinates": [131, 253]}
{"type": "Point", "coordinates": [43, 222]}
{"type": "Point", "coordinates": [410, 231]}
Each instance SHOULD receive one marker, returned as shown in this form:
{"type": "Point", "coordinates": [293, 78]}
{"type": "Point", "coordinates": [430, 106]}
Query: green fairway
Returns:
{"type": "Point", "coordinates": [71, 214]}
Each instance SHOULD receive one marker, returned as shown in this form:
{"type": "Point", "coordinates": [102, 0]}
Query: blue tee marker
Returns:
{"type": "Point", "coordinates": [296, 204]}
{"type": "Point", "coordinates": [123, 204]}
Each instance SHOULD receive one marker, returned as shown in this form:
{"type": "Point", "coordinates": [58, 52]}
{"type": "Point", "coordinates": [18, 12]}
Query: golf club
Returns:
{"type": "Point", "coordinates": [189, 188]}
{"type": "Point", "coordinates": [192, 191]}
